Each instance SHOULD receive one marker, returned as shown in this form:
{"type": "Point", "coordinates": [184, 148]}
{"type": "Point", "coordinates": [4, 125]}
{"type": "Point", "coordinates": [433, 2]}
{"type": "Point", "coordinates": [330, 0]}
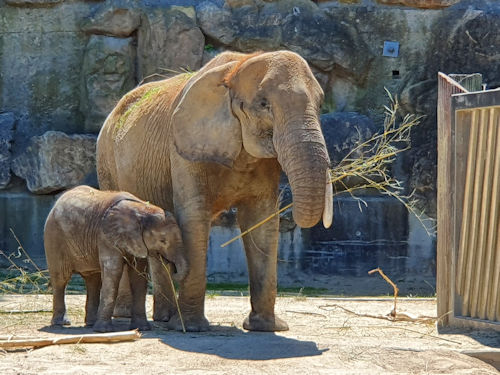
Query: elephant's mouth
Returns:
{"type": "Point", "coordinates": [167, 263]}
{"type": "Point", "coordinates": [174, 271]}
{"type": "Point", "coordinates": [173, 267]}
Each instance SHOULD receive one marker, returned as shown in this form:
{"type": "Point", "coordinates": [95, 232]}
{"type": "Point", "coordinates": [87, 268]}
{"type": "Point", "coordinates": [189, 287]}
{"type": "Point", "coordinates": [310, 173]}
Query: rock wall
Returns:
{"type": "Point", "coordinates": [65, 63]}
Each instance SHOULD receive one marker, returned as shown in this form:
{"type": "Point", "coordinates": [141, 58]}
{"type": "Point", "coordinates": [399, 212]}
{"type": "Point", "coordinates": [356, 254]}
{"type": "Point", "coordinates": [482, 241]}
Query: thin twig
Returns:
{"type": "Point", "coordinates": [400, 317]}
{"type": "Point", "coordinates": [306, 313]}
{"type": "Point", "coordinates": [175, 297]}
{"type": "Point", "coordinates": [25, 252]}
{"type": "Point", "coordinates": [12, 312]}
{"type": "Point", "coordinates": [396, 290]}
{"type": "Point", "coordinates": [257, 225]}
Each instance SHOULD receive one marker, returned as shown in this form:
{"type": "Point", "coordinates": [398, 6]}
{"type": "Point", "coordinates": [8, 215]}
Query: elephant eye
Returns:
{"type": "Point", "coordinates": [264, 103]}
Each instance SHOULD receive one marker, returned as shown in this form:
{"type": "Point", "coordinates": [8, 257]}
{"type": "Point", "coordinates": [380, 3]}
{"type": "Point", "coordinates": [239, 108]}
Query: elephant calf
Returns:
{"type": "Point", "coordinates": [94, 233]}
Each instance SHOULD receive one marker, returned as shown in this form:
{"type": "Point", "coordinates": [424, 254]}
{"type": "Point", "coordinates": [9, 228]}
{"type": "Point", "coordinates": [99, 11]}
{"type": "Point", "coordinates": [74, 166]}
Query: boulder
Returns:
{"type": "Point", "coordinates": [422, 179]}
{"type": "Point", "coordinates": [216, 22]}
{"type": "Point", "coordinates": [7, 121]}
{"type": "Point", "coordinates": [41, 54]}
{"type": "Point", "coordinates": [343, 131]}
{"type": "Point", "coordinates": [108, 73]}
{"type": "Point", "coordinates": [169, 42]}
{"type": "Point", "coordinates": [297, 25]}
{"type": "Point", "coordinates": [113, 20]}
{"type": "Point", "coordinates": [55, 161]}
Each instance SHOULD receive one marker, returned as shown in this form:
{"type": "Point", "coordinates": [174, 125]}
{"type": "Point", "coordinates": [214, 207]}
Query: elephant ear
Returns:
{"type": "Point", "coordinates": [204, 127]}
{"type": "Point", "coordinates": [122, 228]}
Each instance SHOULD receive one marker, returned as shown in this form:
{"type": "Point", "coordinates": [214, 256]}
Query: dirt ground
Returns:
{"type": "Point", "coordinates": [324, 338]}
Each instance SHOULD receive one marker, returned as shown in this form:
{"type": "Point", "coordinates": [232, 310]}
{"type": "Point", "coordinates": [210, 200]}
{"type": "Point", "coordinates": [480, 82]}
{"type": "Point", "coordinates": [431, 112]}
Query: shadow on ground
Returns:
{"type": "Point", "coordinates": [221, 341]}
{"type": "Point", "coordinates": [484, 336]}
{"type": "Point", "coordinates": [233, 343]}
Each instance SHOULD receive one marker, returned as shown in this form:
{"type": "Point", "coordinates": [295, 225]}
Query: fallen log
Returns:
{"type": "Point", "coordinates": [101, 338]}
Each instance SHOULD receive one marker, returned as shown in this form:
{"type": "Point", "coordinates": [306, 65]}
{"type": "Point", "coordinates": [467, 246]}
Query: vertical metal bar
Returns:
{"type": "Point", "coordinates": [482, 253]}
{"type": "Point", "coordinates": [467, 197]}
{"type": "Point", "coordinates": [471, 262]}
{"type": "Point", "coordinates": [445, 254]}
{"type": "Point", "coordinates": [493, 303]}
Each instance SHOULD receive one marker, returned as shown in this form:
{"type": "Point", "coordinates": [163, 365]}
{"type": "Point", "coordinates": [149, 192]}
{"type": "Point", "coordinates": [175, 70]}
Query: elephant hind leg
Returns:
{"type": "Point", "coordinates": [93, 284]}
{"type": "Point", "coordinates": [59, 280]}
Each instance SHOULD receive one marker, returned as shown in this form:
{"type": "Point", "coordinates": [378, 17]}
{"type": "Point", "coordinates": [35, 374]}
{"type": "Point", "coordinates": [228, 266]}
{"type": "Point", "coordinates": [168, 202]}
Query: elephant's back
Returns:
{"type": "Point", "coordinates": [76, 208]}
{"type": "Point", "coordinates": [133, 151]}
{"type": "Point", "coordinates": [144, 102]}
{"type": "Point", "coordinates": [71, 227]}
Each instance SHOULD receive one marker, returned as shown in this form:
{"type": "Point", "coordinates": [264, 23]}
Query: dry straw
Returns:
{"type": "Point", "coordinates": [369, 163]}
{"type": "Point", "coordinates": [175, 296]}
{"type": "Point", "coordinates": [24, 281]}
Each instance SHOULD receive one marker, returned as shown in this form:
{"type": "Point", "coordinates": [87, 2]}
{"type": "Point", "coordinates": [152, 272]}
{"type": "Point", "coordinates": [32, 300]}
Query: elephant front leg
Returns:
{"type": "Point", "coordinates": [111, 272]}
{"type": "Point", "coordinates": [139, 285]}
{"type": "Point", "coordinates": [164, 306]}
{"type": "Point", "coordinates": [195, 231]}
{"type": "Point", "coordinates": [261, 248]}
{"type": "Point", "coordinates": [123, 304]}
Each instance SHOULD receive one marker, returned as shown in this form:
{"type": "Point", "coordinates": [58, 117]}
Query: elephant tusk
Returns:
{"type": "Point", "coordinates": [328, 209]}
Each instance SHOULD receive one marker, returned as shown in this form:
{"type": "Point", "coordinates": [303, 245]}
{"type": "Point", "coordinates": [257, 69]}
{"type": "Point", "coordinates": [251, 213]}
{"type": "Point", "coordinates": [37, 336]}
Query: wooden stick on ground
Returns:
{"type": "Point", "coordinates": [396, 290]}
{"type": "Point", "coordinates": [72, 339]}
{"type": "Point", "coordinates": [399, 317]}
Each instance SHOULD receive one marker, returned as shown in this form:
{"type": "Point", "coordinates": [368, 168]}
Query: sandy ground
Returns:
{"type": "Point", "coordinates": [323, 339]}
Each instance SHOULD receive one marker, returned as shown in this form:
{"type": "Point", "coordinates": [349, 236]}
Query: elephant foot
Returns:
{"type": "Point", "coordinates": [191, 324]}
{"type": "Point", "coordinates": [60, 321]}
{"type": "Point", "coordinates": [90, 322]}
{"type": "Point", "coordinates": [122, 311]}
{"type": "Point", "coordinates": [257, 322]}
{"type": "Point", "coordinates": [103, 326]}
{"type": "Point", "coordinates": [140, 324]}
{"type": "Point", "coordinates": [162, 315]}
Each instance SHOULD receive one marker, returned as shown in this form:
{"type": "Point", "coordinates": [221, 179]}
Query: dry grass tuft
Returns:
{"type": "Point", "coordinates": [370, 162]}
{"type": "Point", "coordinates": [18, 278]}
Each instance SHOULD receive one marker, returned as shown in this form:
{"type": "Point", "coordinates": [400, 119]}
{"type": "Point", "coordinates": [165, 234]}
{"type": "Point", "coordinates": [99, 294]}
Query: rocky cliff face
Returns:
{"type": "Point", "coordinates": [64, 64]}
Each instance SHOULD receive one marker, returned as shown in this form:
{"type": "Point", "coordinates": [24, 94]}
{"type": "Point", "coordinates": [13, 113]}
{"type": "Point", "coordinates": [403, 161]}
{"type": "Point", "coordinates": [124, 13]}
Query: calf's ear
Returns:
{"type": "Point", "coordinates": [122, 228]}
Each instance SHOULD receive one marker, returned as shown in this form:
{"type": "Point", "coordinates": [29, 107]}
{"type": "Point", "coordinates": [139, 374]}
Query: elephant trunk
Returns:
{"type": "Point", "coordinates": [180, 263]}
{"type": "Point", "coordinates": [175, 260]}
{"type": "Point", "coordinates": [304, 158]}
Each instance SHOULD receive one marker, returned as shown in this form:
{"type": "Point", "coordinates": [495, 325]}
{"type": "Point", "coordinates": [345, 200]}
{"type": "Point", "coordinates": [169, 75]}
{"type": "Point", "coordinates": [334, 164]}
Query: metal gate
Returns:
{"type": "Point", "coordinates": [468, 266]}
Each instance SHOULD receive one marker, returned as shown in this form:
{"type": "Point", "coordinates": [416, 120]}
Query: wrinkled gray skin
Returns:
{"type": "Point", "coordinates": [199, 144]}
{"type": "Point", "coordinates": [96, 233]}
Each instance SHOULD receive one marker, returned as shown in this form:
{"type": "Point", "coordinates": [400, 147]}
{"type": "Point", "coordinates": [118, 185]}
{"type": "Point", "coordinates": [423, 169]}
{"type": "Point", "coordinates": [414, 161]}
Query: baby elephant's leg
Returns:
{"type": "Point", "coordinates": [111, 271]}
{"type": "Point", "coordinates": [93, 284]}
{"type": "Point", "coordinates": [139, 284]}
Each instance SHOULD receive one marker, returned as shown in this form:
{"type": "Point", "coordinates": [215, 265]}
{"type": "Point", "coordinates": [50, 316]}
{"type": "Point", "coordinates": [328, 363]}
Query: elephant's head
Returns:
{"type": "Point", "coordinates": [268, 104]}
{"type": "Point", "coordinates": [141, 230]}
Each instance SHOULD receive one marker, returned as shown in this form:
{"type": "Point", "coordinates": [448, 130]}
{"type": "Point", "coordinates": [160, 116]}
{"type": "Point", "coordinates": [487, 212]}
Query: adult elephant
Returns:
{"type": "Point", "coordinates": [200, 143]}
